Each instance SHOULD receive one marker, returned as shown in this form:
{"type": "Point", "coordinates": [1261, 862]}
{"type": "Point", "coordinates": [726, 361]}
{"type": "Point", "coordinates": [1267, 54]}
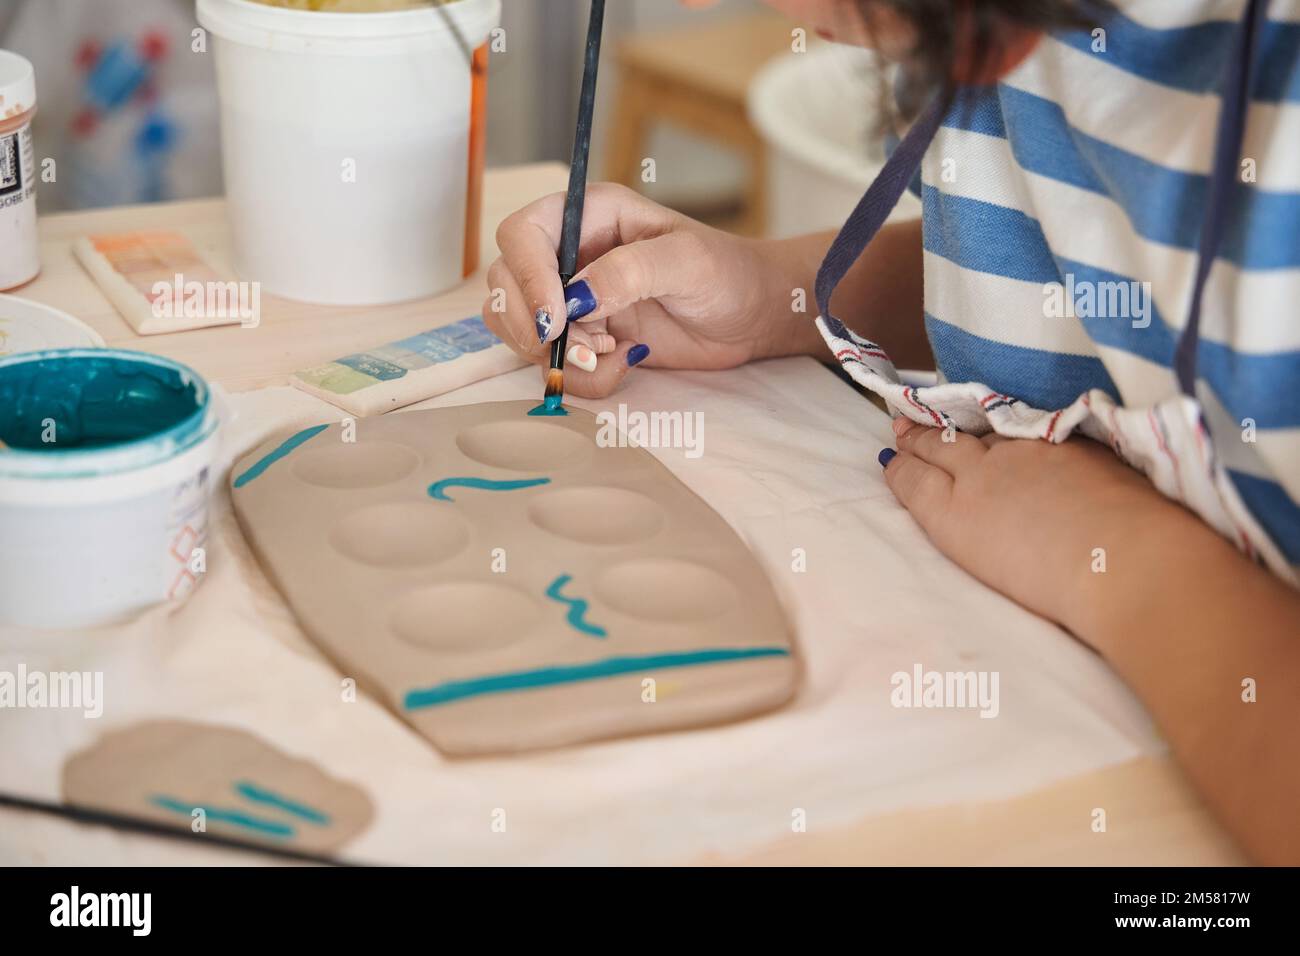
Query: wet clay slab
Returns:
{"type": "Point", "coordinates": [214, 779]}
{"type": "Point", "coordinates": [504, 583]}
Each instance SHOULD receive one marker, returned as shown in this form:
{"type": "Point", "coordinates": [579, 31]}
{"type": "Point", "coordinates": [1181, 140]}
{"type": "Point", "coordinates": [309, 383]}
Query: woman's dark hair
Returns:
{"type": "Point", "coordinates": [975, 34]}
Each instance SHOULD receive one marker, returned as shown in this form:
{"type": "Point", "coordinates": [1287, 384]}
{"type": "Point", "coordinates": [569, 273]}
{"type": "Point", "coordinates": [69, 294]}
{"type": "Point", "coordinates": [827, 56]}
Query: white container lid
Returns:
{"type": "Point", "coordinates": [27, 326]}
{"type": "Point", "coordinates": [17, 85]}
{"type": "Point", "coordinates": [289, 30]}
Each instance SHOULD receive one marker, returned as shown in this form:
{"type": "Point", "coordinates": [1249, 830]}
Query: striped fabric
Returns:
{"type": "Point", "coordinates": [1062, 210]}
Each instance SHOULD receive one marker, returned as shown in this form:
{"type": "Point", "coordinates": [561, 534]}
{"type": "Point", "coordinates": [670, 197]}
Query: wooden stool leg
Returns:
{"type": "Point", "coordinates": [626, 145]}
{"type": "Point", "coordinates": [754, 221]}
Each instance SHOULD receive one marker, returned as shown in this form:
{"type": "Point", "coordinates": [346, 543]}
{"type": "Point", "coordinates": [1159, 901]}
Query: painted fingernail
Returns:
{"type": "Point", "coordinates": [582, 357]}
{"type": "Point", "coordinates": [637, 354]}
{"type": "Point", "coordinates": [542, 319]}
{"type": "Point", "coordinates": [886, 456]}
{"type": "Point", "coordinates": [579, 300]}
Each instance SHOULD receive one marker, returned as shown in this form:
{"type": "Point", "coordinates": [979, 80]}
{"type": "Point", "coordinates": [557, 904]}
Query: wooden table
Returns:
{"type": "Point", "coordinates": [291, 335]}
{"type": "Point", "coordinates": [1153, 817]}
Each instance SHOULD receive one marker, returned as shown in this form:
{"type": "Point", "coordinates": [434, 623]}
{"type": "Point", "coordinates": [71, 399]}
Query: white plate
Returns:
{"type": "Point", "coordinates": [27, 326]}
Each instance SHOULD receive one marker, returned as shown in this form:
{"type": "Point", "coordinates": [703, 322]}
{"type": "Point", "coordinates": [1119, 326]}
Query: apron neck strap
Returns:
{"type": "Point", "coordinates": [1237, 82]}
{"type": "Point", "coordinates": [880, 198]}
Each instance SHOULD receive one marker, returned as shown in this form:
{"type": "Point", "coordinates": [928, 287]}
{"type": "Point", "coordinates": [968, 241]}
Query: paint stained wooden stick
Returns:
{"type": "Point", "coordinates": [571, 229]}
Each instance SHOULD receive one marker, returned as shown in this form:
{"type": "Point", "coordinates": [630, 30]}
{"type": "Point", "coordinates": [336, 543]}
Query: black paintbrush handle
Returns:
{"type": "Point", "coordinates": [571, 228]}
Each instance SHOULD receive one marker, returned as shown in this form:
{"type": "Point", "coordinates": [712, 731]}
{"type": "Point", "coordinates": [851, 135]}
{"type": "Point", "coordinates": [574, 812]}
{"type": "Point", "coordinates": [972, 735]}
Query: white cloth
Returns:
{"type": "Point", "coordinates": [788, 471]}
{"type": "Point", "coordinates": [1166, 441]}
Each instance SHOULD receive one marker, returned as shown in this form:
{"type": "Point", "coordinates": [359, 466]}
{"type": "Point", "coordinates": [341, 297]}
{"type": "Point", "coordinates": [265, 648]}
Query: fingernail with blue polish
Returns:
{"type": "Point", "coordinates": [579, 300]}
{"type": "Point", "coordinates": [542, 319]}
{"type": "Point", "coordinates": [886, 456]}
{"type": "Point", "coordinates": [637, 354]}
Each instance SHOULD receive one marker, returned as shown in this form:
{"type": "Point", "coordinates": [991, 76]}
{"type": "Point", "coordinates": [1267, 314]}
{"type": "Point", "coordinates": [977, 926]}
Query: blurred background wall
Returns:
{"type": "Point", "coordinates": [741, 126]}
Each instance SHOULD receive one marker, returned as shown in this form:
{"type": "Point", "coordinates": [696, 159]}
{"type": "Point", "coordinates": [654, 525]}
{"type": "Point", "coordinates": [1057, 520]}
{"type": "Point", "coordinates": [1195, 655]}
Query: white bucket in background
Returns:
{"type": "Point", "coordinates": [104, 484]}
{"type": "Point", "coordinates": [346, 141]}
{"type": "Point", "coordinates": [818, 112]}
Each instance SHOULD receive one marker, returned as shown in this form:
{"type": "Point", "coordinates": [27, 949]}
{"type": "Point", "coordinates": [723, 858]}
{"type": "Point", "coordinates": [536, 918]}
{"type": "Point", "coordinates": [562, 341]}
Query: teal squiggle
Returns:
{"type": "Point", "coordinates": [577, 616]}
{"type": "Point", "coordinates": [455, 690]}
{"type": "Point", "coordinates": [234, 817]}
{"type": "Point", "coordinates": [288, 445]}
{"type": "Point", "coordinates": [256, 794]}
{"type": "Point", "coordinates": [439, 488]}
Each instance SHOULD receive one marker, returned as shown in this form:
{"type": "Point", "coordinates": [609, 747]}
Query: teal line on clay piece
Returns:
{"type": "Point", "coordinates": [550, 406]}
{"type": "Point", "coordinates": [256, 794]}
{"type": "Point", "coordinates": [288, 445]}
{"type": "Point", "coordinates": [577, 617]}
{"type": "Point", "coordinates": [439, 488]}
{"type": "Point", "coordinates": [233, 817]}
{"type": "Point", "coordinates": [575, 673]}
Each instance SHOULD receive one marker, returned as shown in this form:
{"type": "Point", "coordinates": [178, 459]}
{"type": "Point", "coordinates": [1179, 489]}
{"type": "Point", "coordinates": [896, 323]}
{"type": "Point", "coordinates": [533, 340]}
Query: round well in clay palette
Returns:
{"type": "Point", "coordinates": [400, 534]}
{"type": "Point", "coordinates": [595, 515]}
{"type": "Point", "coordinates": [352, 465]}
{"type": "Point", "coordinates": [466, 616]}
{"type": "Point", "coordinates": [525, 446]}
{"type": "Point", "coordinates": [669, 590]}
{"type": "Point", "coordinates": [505, 582]}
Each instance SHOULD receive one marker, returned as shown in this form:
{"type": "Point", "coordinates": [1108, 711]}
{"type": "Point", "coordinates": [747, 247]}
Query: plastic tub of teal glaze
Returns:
{"type": "Point", "coordinates": [104, 481]}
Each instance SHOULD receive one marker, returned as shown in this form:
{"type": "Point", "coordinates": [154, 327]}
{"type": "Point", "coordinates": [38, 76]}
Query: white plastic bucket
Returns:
{"type": "Point", "coordinates": [104, 484]}
{"type": "Point", "coordinates": [818, 113]}
{"type": "Point", "coordinates": [346, 145]}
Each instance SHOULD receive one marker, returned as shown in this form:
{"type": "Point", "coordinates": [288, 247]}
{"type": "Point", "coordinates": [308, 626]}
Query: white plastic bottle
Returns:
{"type": "Point", "coordinates": [20, 259]}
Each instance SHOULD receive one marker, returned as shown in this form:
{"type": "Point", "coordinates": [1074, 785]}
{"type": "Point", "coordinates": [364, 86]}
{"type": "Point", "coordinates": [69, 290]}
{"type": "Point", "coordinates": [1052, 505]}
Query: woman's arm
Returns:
{"type": "Point", "coordinates": [881, 298]}
{"type": "Point", "coordinates": [1183, 618]}
{"type": "Point", "coordinates": [1211, 643]}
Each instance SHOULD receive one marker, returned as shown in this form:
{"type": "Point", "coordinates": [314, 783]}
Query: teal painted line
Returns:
{"type": "Point", "coordinates": [550, 406]}
{"type": "Point", "coordinates": [439, 488]}
{"type": "Point", "coordinates": [577, 616]}
{"type": "Point", "coordinates": [233, 817]}
{"type": "Point", "coordinates": [575, 673]}
{"type": "Point", "coordinates": [288, 445]}
{"type": "Point", "coordinates": [256, 794]}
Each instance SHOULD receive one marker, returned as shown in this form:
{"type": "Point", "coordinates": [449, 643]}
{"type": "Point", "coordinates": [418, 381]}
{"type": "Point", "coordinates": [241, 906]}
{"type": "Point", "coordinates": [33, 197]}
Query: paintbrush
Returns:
{"type": "Point", "coordinates": [571, 228]}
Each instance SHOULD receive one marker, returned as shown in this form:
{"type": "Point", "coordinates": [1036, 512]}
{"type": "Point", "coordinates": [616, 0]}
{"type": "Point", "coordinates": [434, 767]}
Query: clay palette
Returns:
{"type": "Point", "coordinates": [505, 582]}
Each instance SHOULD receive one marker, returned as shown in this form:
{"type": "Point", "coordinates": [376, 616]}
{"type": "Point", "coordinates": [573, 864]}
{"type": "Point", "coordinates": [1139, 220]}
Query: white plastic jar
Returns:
{"type": "Point", "coordinates": [346, 146]}
{"type": "Point", "coordinates": [20, 259]}
{"type": "Point", "coordinates": [104, 484]}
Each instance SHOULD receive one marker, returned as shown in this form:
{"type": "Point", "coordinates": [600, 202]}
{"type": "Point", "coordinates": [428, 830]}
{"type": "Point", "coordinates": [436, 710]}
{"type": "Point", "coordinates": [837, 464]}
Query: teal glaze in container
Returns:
{"type": "Point", "coordinates": [104, 484]}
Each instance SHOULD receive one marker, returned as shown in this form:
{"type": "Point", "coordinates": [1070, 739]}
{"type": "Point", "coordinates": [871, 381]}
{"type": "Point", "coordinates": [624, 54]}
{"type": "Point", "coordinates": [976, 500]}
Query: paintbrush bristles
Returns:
{"type": "Point", "coordinates": [554, 383]}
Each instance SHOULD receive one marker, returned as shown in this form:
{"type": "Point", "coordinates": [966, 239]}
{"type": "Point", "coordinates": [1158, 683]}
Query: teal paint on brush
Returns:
{"type": "Point", "coordinates": [550, 406]}
{"type": "Point", "coordinates": [234, 817]}
{"type": "Point", "coordinates": [452, 691]}
{"type": "Point", "coordinates": [286, 447]}
{"type": "Point", "coordinates": [256, 794]}
{"type": "Point", "coordinates": [577, 616]}
{"type": "Point", "coordinates": [71, 413]}
{"type": "Point", "coordinates": [439, 488]}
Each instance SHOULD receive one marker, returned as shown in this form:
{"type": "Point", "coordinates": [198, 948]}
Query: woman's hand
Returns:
{"type": "Point", "coordinates": [653, 287]}
{"type": "Point", "coordinates": [1026, 517]}
{"type": "Point", "coordinates": [1205, 638]}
